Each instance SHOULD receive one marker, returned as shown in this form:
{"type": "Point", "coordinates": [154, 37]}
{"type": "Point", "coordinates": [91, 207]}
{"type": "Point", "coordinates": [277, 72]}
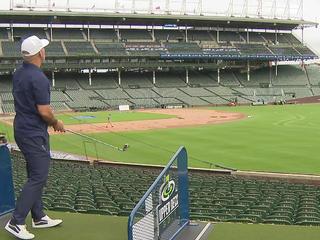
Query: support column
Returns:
{"type": "Point", "coordinates": [248, 71]}
{"type": "Point", "coordinates": [12, 33]}
{"type": "Point", "coordinates": [88, 33]}
{"type": "Point", "coordinates": [51, 35]}
{"type": "Point", "coordinates": [270, 74]}
{"type": "Point", "coordinates": [186, 34]}
{"type": "Point", "coordinates": [218, 36]}
{"type": "Point", "coordinates": [90, 80]}
{"type": "Point", "coordinates": [187, 76]}
{"type": "Point", "coordinates": [154, 77]}
{"type": "Point", "coordinates": [118, 33]}
{"type": "Point", "coordinates": [302, 35]}
{"type": "Point", "coordinates": [276, 68]}
{"type": "Point", "coordinates": [218, 75]}
{"type": "Point", "coordinates": [152, 33]}
{"type": "Point", "coordinates": [53, 79]}
{"type": "Point", "coordinates": [119, 77]}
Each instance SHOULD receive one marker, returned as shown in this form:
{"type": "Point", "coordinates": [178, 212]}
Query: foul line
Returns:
{"type": "Point", "coordinates": [203, 231]}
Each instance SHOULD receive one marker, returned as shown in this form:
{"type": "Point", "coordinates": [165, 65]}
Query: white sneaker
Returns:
{"type": "Point", "coordinates": [46, 222]}
{"type": "Point", "coordinates": [19, 231]}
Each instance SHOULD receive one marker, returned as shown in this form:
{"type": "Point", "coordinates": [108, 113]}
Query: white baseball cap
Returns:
{"type": "Point", "coordinates": [32, 45]}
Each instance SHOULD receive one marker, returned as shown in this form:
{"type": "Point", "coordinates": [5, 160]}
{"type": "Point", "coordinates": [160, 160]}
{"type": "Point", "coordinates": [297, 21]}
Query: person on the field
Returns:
{"type": "Point", "coordinates": [109, 122]}
{"type": "Point", "coordinates": [31, 92]}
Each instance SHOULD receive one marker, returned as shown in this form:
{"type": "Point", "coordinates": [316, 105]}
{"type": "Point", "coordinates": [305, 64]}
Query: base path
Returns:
{"type": "Point", "coordinates": [186, 117]}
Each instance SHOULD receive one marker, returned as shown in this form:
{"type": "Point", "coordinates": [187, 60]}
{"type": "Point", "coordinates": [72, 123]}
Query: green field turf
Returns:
{"type": "Point", "coordinates": [79, 227]}
{"type": "Point", "coordinates": [228, 231]}
{"type": "Point", "coordinates": [274, 138]}
{"type": "Point", "coordinates": [102, 117]}
{"type": "Point", "coordinates": [96, 227]}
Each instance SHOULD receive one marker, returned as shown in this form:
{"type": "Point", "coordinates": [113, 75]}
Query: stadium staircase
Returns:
{"type": "Point", "coordinates": [64, 48]}
{"type": "Point", "coordinates": [269, 50]}
{"type": "Point", "coordinates": [237, 79]}
{"type": "Point", "coordinates": [94, 47]}
{"type": "Point", "coordinates": [308, 78]}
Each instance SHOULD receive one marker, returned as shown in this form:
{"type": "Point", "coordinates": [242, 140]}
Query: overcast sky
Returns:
{"type": "Point", "coordinates": [311, 9]}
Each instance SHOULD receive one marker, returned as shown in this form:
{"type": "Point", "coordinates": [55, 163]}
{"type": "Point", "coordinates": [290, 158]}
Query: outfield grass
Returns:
{"type": "Point", "coordinates": [228, 231]}
{"type": "Point", "coordinates": [102, 117]}
{"type": "Point", "coordinates": [97, 227]}
{"type": "Point", "coordinates": [274, 138]}
{"type": "Point", "coordinates": [4, 128]}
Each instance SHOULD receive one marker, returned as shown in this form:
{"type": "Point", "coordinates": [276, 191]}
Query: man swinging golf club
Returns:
{"type": "Point", "coordinates": [31, 91]}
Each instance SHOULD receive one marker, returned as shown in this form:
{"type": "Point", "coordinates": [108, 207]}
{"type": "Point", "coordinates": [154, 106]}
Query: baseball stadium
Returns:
{"type": "Point", "coordinates": [178, 126]}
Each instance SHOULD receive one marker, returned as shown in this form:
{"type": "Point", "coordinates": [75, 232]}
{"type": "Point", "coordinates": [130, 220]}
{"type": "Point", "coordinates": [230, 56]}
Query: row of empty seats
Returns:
{"type": "Point", "coordinates": [113, 42]}
{"type": "Point", "coordinates": [286, 76]}
{"type": "Point", "coordinates": [72, 90]}
{"type": "Point", "coordinates": [110, 190]}
{"type": "Point", "coordinates": [144, 34]}
{"type": "Point", "coordinates": [92, 48]}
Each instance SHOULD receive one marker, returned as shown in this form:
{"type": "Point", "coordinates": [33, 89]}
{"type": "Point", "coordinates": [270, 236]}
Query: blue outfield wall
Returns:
{"type": "Point", "coordinates": [7, 198]}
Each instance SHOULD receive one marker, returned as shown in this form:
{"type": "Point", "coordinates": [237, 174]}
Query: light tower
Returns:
{"type": "Point", "coordinates": [273, 12]}
{"type": "Point", "coordinates": [184, 7]}
{"type": "Point", "coordinates": [287, 10]}
{"type": "Point", "coordinates": [230, 8]}
{"type": "Point", "coordinates": [167, 7]}
{"type": "Point", "coordinates": [260, 9]}
{"type": "Point", "coordinates": [200, 7]}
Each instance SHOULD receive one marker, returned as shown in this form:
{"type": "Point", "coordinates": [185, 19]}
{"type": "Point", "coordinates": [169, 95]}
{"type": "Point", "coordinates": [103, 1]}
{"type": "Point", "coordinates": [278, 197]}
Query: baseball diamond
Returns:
{"type": "Point", "coordinates": [163, 124]}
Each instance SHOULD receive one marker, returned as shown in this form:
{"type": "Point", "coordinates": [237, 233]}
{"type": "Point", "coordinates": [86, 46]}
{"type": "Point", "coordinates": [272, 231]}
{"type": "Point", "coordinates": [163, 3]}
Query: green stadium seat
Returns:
{"type": "Point", "coordinates": [222, 217]}
{"type": "Point", "coordinates": [63, 209]}
{"type": "Point", "coordinates": [225, 210]}
{"type": "Point", "coordinates": [276, 219]}
{"type": "Point", "coordinates": [201, 217]}
{"type": "Point", "coordinates": [107, 190]}
{"type": "Point", "coordinates": [98, 211]}
{"type": "Point", "coordinates": [308, 221]}
{"type": "Point", "coordinates": [113, 209]}
{"type": "Point", "coordinates": [246, 218]}
{"type": "Point", "coordinates": [83, 207]}
{"type": "Point", "coordinates": [135, 34]}
{"type": "Point", "coordinates": [67, 33]}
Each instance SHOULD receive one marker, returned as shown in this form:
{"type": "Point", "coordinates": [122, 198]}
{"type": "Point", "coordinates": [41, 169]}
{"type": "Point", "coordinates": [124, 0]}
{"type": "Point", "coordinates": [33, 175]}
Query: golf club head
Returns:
{"type": "Point", "coordinates": [125, 147]}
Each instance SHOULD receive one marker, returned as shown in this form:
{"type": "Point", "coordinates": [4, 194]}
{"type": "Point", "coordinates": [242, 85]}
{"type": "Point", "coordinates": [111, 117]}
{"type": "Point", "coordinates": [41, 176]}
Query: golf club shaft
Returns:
{"type": "Point", "coordinates": [93, 139]}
